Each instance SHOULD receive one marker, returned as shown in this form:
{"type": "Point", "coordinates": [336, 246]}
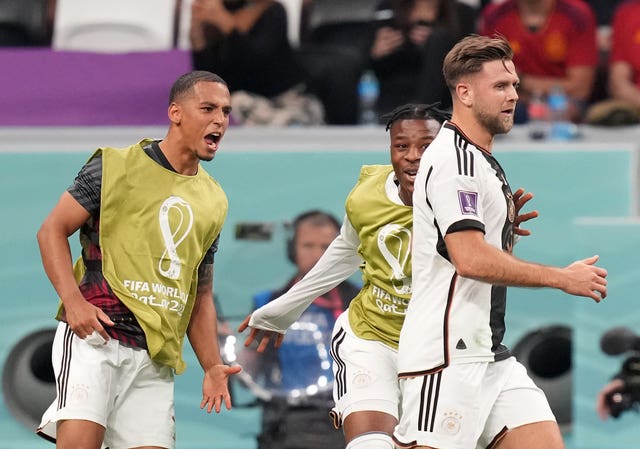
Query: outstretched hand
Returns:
{"type": "Point", "coordinates": [520, 198]}
{"type": "Point", "coordinates": [260, 334]}
{"type": "Point", "coordinates": [584, 278]}
{"type": "Point", "coordinates": [215, 388]}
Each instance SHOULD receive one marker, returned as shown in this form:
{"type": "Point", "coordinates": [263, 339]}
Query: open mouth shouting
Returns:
{"type": "Point", "coordinates": [213, 140]}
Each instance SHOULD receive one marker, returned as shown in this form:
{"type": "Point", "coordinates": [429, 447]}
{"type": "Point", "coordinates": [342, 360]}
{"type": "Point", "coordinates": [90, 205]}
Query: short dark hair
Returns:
{"type": "Point", "coordinates": [316, 218]}
{"type": "Point", "coordinates": [415, 111]}
{"type": "Point", "coordinates": [470, 53]}
{"type": "Point", "coordinates": [185, 83]}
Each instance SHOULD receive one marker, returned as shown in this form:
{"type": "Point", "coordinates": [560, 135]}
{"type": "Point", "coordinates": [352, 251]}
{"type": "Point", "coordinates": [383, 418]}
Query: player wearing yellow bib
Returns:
{"type": "Point", "coordinates": [375, 237]}
{"type": "Point", "coordinates": [149, 217]}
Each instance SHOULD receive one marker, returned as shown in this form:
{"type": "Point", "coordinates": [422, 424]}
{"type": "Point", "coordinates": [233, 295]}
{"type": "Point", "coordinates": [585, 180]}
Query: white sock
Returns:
{"type": "Point", "coordinates": [373, 440]}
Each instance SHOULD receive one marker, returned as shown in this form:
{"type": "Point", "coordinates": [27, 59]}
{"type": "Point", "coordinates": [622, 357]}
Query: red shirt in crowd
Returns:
{"type": "Point", "coordinates": [625, 38]}
{"type": "Point", "coordinates": [567, 39]}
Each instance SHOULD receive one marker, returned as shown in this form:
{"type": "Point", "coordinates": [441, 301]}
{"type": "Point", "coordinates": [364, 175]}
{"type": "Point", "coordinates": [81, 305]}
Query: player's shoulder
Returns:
{"type": "Point", "coordinates": [451, 153]}
{"type": "Point", "coordinates": [449, 142]}
{"type": "Point", "coordinates": [375, 170]}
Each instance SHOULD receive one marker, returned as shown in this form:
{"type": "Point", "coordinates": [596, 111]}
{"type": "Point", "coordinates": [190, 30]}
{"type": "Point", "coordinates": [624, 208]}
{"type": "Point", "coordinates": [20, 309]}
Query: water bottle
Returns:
{"type": "Point", "coordinates": [538, 113]}
{"type": "Point", "coordinates": [561, 126]}
{"type": "Point", "coordinates": [368, 91]}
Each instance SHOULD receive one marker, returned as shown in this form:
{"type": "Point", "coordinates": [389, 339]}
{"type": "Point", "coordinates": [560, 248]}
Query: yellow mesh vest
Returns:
{"type": "Point", "coordinates": [384, 228]}
{"type": "Point", "coordinates": [155, 228]}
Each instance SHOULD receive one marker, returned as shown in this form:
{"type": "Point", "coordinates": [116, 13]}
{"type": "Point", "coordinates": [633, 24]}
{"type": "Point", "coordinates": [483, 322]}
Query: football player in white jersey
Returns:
{"type": "Point", "coordinates": [461, 389]}
{"type": "Point", "coordinates": [376, 237]}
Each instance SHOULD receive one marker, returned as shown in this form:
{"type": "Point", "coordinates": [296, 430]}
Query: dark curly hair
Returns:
{"type": "Point", "coordinates": [414, 111]}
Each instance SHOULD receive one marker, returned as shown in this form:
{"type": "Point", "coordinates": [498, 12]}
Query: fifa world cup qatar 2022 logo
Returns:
{"type": "Point", "coordinates": [394, 243]}
{"type": "Point", "coordinates": [468, 202]}
{"type": "Point", "coordinates": [176, 221]}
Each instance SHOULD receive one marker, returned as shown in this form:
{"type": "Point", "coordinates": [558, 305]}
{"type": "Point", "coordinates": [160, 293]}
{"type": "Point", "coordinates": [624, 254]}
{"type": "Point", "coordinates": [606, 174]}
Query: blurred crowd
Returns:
{"type": "Point", "coordinates": [590, 50]}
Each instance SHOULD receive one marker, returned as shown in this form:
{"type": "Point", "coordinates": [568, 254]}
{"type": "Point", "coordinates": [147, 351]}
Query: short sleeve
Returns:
{"type": "Point", "coordinates": [454, 191]}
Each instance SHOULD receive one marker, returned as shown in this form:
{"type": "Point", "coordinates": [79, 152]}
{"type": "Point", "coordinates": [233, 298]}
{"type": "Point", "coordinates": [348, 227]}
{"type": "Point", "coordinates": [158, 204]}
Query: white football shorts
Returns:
{"type": "Point", "coordinates": [365, 374]}
{"type": "Point", "coordinates": [468, 405]}
{"type": "Point", "coordinates": [116, 386]}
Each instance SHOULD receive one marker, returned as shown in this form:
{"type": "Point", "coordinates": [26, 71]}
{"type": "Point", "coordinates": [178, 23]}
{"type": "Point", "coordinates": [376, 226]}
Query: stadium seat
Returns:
{"type": "Point", "coordinates": [115, 26]}
{"type": "Point", "coordinates": [294, 16]}
{"type": "Point", "coordinates": [338, 23]}
{"type": "Point", "coordinates": [184, 24]}
{"type": "Point", "coordinates": [337, 11]}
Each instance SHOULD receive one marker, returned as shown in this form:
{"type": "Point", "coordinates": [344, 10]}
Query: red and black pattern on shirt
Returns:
{"type": "Point", "coordinates": [86, 190]}
{"type": "Point", "coordinates": [97, 291]}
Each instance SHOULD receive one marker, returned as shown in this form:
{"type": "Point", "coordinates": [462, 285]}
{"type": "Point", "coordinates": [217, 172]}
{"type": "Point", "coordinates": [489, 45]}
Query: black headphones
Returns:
{"type": "Point", "coordinates": [295, 224]}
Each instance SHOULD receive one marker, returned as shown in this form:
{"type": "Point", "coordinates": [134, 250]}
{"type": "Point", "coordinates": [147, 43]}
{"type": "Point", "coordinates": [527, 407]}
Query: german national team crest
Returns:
{"type": "Point", "coordinates": [451, 423]}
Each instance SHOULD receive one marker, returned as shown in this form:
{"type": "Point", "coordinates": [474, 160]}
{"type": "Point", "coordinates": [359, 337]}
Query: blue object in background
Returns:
{"type": "Point", "coordinates": [368, 91]}
{"type": "Point", "coordinates": [561, 127]}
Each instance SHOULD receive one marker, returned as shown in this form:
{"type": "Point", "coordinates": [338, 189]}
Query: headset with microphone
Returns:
{"type": "Point", "coordinates": [295, 225]}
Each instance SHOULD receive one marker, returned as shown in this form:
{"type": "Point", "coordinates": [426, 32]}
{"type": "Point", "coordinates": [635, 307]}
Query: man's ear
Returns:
{"type": "Point", "coordinates": [464, 93]}
{"type": "Point", "coordinates": [175, 113]}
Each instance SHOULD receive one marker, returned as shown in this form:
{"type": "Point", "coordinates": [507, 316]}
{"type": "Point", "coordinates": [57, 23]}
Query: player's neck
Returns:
{"type": "Point", "coordinates": [474, 131]}
{"type": "Point", "coordinates": [182, 161]}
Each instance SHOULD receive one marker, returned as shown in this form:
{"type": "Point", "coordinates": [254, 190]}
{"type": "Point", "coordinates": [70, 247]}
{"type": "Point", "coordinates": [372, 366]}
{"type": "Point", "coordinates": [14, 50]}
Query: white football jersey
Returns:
{"type": "Point", "coordinates": [452, 319]}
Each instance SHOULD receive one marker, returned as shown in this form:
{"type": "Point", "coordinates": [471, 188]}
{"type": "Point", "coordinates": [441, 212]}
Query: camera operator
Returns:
{"type": "Point", "coordinates": [622, 393]}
